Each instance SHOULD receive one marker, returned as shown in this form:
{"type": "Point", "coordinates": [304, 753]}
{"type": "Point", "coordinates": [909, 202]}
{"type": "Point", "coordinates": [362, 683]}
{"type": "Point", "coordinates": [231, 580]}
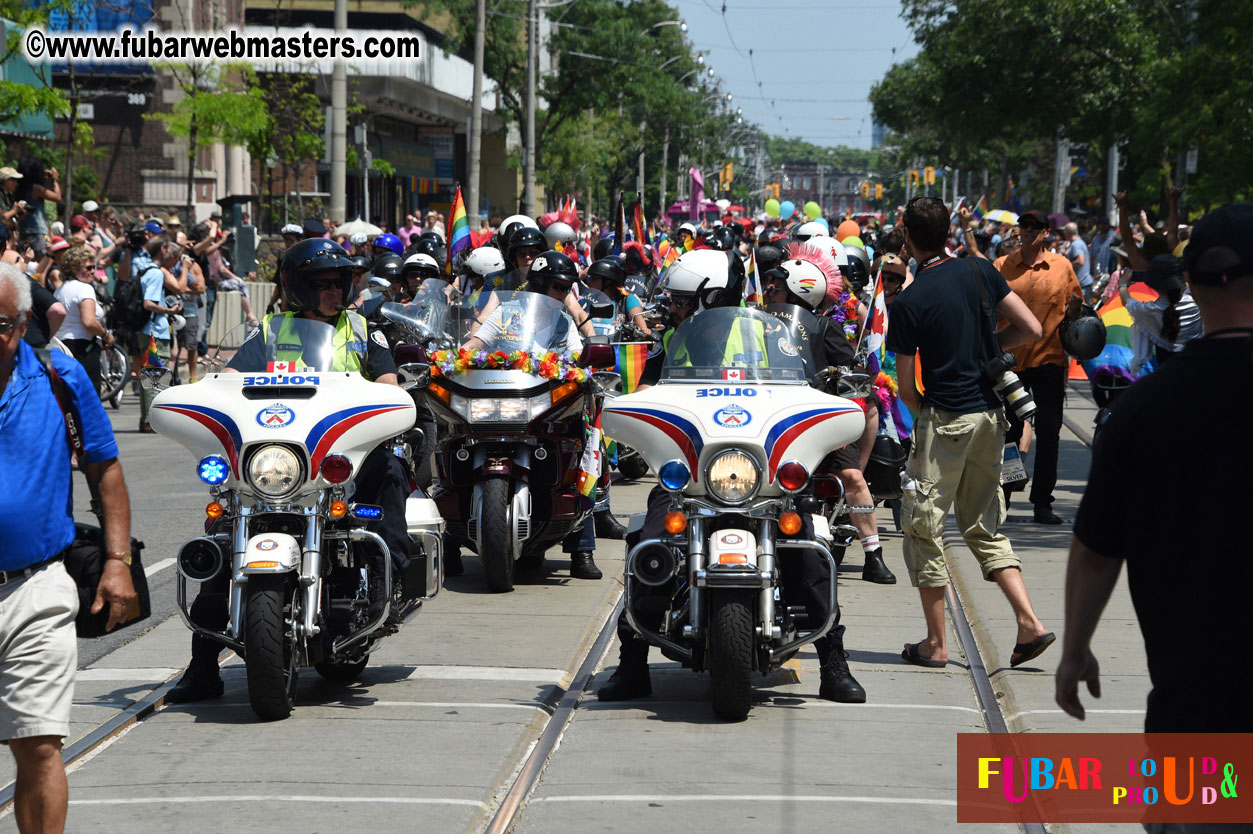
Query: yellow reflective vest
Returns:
{"type": "Point", "coordinates": [350, 341]}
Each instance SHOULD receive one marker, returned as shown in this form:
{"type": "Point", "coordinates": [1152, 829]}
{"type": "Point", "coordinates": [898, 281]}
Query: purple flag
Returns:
{"type": "Point", "coordinates": [698, 193]}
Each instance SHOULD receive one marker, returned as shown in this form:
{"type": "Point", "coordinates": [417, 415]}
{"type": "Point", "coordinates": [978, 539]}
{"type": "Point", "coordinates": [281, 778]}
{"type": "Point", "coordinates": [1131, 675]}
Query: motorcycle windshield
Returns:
{"type": "Point", "coordinates": [519, 320]}
{"type": "Point", "coordinates": [427, 316]}
{"type": "Point", "coordinates": [596, 304]}
{"type": "Point", "coordinates": [735, 344]}
{"type": "Point", "coordinates": [803, 328]}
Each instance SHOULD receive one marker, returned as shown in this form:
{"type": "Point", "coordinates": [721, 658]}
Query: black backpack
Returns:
{"type": "Point", "coordinates": [128, 311]}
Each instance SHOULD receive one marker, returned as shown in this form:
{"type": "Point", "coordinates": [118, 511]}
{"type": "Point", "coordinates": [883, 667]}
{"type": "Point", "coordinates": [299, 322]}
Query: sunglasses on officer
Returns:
{"type": "Point", "coordinates": [323, 284]}
{"type": "Point", "coordinates": [682, 301]}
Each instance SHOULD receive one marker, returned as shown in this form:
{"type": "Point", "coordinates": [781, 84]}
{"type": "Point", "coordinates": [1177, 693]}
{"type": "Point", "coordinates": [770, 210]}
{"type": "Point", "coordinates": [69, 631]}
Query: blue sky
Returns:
{"type": "Point", "coordinates": [815, 61]}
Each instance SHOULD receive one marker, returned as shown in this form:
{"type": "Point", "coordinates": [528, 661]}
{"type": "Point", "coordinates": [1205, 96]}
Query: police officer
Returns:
{"type": "Point", "coordinates": [810, 278]}
{"type": "Point", "coordinates": [317, 283]}
{"type": "Point", "coordinates": [698, 280]}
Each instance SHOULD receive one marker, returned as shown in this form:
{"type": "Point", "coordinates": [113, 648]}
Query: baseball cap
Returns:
{"type": "Point", "coordinates": [90, 205]}
{"type": "Point", "coordinates": [7, 173]}
{"type": "Point", "coordinates": [56, 243]}
{"type": "Point", "coordinates": [154, 227]}
{"type": "Point", "coordinates": [79, 222]}
{"type": "Point", "coordinates": [314, 227]}
{"type": "Point", "coordinates": [1035, 217]}
{"type": "Point", "coordinates": [291, 229]}
{"type": "Point", "coordinates": [1221, 246]}
{"type": "Point", "coordinates": [359, 239]}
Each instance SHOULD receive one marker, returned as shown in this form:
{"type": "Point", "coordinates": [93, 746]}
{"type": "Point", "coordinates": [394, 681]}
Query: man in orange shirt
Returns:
{"type": "Point", "coordinates": [1046, 282]}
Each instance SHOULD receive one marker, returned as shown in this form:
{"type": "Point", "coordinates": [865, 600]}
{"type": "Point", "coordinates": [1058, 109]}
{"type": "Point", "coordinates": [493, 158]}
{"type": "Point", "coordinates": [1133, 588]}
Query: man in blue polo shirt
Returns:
{"type": "Point", "coordinates": [38, 599]}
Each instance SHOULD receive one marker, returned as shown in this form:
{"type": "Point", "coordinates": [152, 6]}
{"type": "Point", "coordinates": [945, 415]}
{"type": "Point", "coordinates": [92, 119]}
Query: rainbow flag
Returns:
{"type": "Point", "coordinates": [152, 359]}
{"type": "Point", "coordinates": [752, 286]}
{"type": "Point", "coordinates": [459, 230]}
{"type": "Point", "coordinates": [631, 359]}
{"type": "Point", "coordinates": [639, 226]}
{"type": "Point", "coordinates": [981, 208]}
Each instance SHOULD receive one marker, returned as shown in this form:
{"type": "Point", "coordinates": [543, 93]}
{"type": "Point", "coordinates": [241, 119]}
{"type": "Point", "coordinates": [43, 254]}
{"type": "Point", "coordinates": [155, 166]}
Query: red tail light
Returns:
{"type": "Point", "coordinates": [336, 468]}
{"type": "Point", "coordinates": [793, 476]}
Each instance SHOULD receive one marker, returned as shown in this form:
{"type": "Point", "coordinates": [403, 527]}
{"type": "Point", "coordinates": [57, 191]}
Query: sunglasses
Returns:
{"type": "Point", "coordinates": [7, 324]}
{"type": "Point", "coordinates": [560, 286]}
{"type": "Point", "coordinates": [324, 284]}
{"type": "Point", "coordinates": [682, 301]}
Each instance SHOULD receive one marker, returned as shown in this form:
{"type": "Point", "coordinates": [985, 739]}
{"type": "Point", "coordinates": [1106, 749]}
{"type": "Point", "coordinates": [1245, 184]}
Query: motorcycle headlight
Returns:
{"type": "Point", "coordinates": [275, 471]}
{"type": "Point", "coordinates": [507, 410]}
{"type": "Point", "coordinates": [732, 477]}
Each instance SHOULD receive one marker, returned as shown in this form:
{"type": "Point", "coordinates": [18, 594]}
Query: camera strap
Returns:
{"type": "Point", "coordinates": [988, 325]}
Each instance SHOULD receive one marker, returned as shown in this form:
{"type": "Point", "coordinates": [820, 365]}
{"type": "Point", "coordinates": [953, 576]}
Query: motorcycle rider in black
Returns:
{"type": "Point", "coordinates": [694, 286]}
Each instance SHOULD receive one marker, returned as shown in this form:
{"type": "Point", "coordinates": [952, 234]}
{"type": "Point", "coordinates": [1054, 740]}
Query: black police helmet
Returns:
{"type": "Point", "coordinates": [389, 266]}
{"type": "Point", "coordinates": [362, 262]}
{"type": "Point", "coordinates": [1083, 337]}
{"type": "Point", "coordinates": [722, 239]}
{"type": "Point", "coordinates": [610, 270]}
{"type": "Point", "coordinates": [548, 267]}
{"type": "Point", "coordinates": [432, 235]}
{"type": "Point", "coordinates": [525, 238]}
{"type": "Point", "coordinates": [858, 267]}
{"type": "Point", "coordinates": [306, 259]}
{"type": "Point", "coordinates": [602, 249]}
{"type": "Point", "coordinates": [768, 257]}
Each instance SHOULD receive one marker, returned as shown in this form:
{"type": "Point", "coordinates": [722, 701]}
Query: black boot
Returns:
{"type": "Point", "coordinates": [838, 683]}
{"type": "Point", "coordinates": [874, 570]}
{"type": "Point", "coordinates": [630, 680]}
{"type": "Point", "coordinates": [201, 681]}
{"type": "Point", "coordinates": [452, 563]}
{"type": "Point", "coordinates": [607, 527]}
{"type": "Point", "coordinates": [583, 566]}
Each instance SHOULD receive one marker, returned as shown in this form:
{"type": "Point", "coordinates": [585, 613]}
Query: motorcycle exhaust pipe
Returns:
{"type": "Point", "coordinates": [655, 565]}
{"type": "Point", "coordinates": [200, 559]}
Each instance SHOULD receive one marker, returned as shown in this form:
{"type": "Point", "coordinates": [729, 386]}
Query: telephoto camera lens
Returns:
{"type": "Point", "coordinates": [1016, 396]}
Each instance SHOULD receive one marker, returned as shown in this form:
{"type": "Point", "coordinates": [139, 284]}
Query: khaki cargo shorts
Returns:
{"type": "Point", "coordinates": [955, 463]}
{"type": "Point", "coordinates": [38, 654]}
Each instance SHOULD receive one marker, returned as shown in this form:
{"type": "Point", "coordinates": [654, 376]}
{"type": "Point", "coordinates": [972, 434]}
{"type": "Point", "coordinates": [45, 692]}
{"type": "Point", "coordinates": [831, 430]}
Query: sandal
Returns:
{"type": "Point", "coordinates": [910, 655]}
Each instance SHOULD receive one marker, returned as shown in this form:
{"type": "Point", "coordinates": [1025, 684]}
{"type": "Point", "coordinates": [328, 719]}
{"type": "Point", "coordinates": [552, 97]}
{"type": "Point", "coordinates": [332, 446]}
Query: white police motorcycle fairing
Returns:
{"type": "Point", "coordinates": [734, 431]}
{"type": "Point", "coordinates": [279, 449]}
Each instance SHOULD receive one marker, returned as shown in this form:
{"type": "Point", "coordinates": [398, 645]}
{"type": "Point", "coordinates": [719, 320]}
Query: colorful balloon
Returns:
{"type": "Point", "coordinates": [848, 228]}
{"type": "Point", "coordinates": [812, 210]}
{"type": "Point", "coordinates": [824, 222]}
{"type": "Point", "coordinates": [772, 207]}
{"type": "Point", "coordinates": [786, 209]}
{"type": "Point", "coordinates": [853, 241]}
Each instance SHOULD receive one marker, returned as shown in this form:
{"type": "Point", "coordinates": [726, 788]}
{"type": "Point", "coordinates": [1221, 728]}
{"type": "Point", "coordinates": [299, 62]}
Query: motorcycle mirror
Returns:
{"type": "Point", "coordinates": [597, 356]}
{"type": "Point", "coordinates": [416, 375]}
{"type": "Point", "coordinates": [155, 379]}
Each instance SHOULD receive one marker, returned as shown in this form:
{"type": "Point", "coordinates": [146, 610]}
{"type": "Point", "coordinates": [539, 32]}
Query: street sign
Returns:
{"type": "Point", "coordinates": [1192, 155]}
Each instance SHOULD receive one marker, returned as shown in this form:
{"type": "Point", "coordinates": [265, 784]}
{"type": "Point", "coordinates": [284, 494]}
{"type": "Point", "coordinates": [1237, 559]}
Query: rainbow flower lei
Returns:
{"type": "Point", "coordinates": [844, 313]}
{"type": "Point", "coordinates": [548, 365]}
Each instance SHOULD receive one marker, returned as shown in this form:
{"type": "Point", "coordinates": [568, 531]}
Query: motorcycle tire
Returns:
{"type": "Point", "coordinates": [422, 463]}
{"type": "Point", "coordinates": [497, 552]}
{"type": "Point", "coordinates": [730, 659]}
{"type": "Point", "coordinates": [633, 467]}
{"type": "Point", "coordinates": [115, 368]}
{"type": "Point", "coordinates": [342, 671]}
{"type": "Point", "coordinates": [272, 664]}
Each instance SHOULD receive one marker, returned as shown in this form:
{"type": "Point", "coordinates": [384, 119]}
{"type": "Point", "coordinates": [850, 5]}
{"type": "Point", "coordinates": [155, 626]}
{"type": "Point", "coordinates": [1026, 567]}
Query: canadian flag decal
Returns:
{"type": "Point", "coordinates": [281, 367]}
{"type": "Point", "coordinates": [733, 374]}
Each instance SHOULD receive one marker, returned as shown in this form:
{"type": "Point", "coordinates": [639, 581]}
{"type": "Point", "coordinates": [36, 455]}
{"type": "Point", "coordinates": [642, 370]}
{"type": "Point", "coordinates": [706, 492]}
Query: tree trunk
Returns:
{"type": "Point", "coordinates": [68, 179]}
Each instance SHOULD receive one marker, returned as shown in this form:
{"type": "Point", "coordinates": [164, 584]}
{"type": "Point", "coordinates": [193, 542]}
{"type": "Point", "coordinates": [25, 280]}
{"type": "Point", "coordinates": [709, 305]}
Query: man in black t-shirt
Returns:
{"type": "Point", "coordinates": [1190, 596]}
{"type": "Point", "coordinates": [947, 317]}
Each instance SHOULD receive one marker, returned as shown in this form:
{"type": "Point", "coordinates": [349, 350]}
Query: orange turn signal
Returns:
{"type": "Point", "coordinates": [676, 522]}
{"type": "Point", "coordinates": [440, 392]}
{"type": "Point", "coordinates": [266, 564]}
{"type": "Point", "coordinates": [790, 524]}
{"type": "Point", "coordinates": [338, 509]}
{"type": "Point", "coordinates": [563, 390]}
{"type": "Point", "coordinates": [214, 510]}
{"type": "Point", "coordinates": [733, 558]}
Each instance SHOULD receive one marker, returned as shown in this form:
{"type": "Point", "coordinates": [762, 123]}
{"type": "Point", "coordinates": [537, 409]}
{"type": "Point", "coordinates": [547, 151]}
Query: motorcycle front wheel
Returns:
{"type": "Point", "coordinates": [730, 659]}
{"type": "Point", "coordinates": [270, 654]}
{"type": "Point", "coordinates": [633, 467]}
{"type": "Point", "coordinates": [497, 536]}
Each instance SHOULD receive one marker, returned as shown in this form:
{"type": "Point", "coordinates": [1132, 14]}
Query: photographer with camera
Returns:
{"type": "Point", "coordinates": [947, 317]}
{"type": "Point", "coordinates": [1047, 284]}
{"type": "Point", "coordinates": [11, 209]}
{"type": "Point", "coordinates": [36, 186]}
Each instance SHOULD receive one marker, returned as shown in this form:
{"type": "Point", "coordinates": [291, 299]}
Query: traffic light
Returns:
{"type": "Point", "coordinates": [929, 175]}
{"type": "Point", "coordinates": [772, 190]}
{"type": "Point", "coordinates": [913, 178]}
{"type": "Point", "coordinates": [878, 192]}
{"type": "Point", "coordinates": [727, 175]}
{"type": "Point", "coordinates": [865, 190]}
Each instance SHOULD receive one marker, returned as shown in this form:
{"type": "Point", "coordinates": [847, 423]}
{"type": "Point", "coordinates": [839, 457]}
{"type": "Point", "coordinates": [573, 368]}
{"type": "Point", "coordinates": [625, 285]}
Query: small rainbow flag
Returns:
{"type": "Point", "coordinates": [631, 359]}
{"type": "Point", "coordinates": [981, 208]}
{"type": "Point", "coordinates": [589, 466]}
{"type": "Point", "coordinates": [752, 286]}
{"type": "Point", "coordinates": [459, 235]}
{"type": "Point", "coordinates": [152, 359]}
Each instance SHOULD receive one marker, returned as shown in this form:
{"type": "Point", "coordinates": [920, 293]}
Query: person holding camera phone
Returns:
{"type": "Point", "coordinates": [946, 319]}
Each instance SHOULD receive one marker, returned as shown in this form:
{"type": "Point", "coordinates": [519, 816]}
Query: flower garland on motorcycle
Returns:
{"type": "Point", "coordinates": [549, 365]}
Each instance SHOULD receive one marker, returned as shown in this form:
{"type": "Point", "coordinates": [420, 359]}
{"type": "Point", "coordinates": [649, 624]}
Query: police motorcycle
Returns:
{"type": "Point", "coordinates": [278, 451]}
{"type": "Point", "coordinates": [511, 422]}
{"type": "Point", "coordinates": [736, 447]}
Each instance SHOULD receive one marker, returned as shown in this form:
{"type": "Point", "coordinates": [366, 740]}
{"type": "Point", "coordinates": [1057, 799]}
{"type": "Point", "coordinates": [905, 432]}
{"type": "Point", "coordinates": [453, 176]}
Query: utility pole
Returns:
{"type": "Point", "coordinates": [1111, 177]}
{"type": "Point", "coordinates": [1062, 172]}
{"type": "Point", "coordinates": [339, 122]}
{"type": "Point", "coordinates": [665, 159]}
{"type": "Point", "coordinates": [476, 114]}
{"type": "Point", "coordinates": [528, 187]}
{"type": "Point", "coordinates": [639, 177]}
